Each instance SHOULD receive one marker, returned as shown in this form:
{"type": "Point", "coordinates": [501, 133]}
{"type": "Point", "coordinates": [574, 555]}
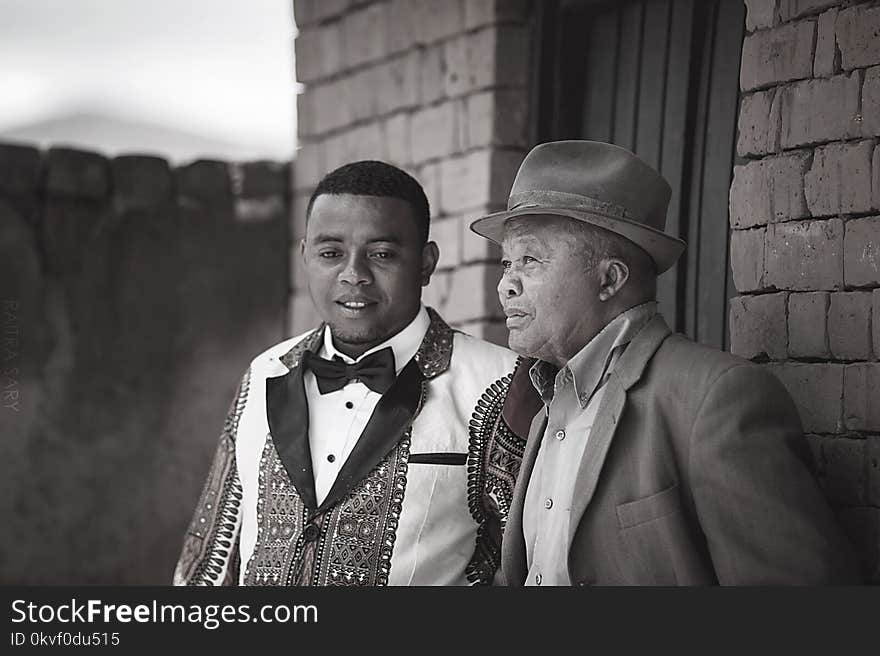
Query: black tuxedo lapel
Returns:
{"type": "Point", "coordinates": [393, 415]}
{"type": "Point", "coordinates": [287, 411]}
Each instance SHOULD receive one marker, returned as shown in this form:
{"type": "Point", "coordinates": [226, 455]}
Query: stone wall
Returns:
{"type": "Point", "coordinates": [132, 297]}
{"type": "Point", "coordinates": [438, 87]}
{"type": "Point", "coordinates": [805, 248]}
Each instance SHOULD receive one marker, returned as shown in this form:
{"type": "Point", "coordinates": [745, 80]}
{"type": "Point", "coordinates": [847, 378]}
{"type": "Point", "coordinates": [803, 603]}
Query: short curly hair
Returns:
{"type": "Point", "coordinates": [374, 178]}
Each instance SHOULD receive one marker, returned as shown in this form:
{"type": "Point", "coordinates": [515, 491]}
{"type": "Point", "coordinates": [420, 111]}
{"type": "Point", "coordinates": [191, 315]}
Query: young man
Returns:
{"type": "Point", "coordinates": [657, 461]}
{"type": "Point", "coordinates": [371, 450]}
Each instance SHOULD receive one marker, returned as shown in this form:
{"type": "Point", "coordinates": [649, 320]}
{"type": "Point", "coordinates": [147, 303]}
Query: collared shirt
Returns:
{"type": "Point", "coordinates": [572, 396]}
{"type": "Point", "coordinates": [337, 419]}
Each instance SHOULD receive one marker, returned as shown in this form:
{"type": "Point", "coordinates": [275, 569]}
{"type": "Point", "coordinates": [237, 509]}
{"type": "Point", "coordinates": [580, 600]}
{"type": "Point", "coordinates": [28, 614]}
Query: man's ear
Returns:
{"type": "Point", "coordinates": [430, 257]}
{"type": "Point", "coordinates": [302, 247]}
{"type": "Point", "coordinates": [613, 274]}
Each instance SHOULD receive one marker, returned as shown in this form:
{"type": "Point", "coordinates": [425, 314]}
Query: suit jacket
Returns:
{"type": "Point", "coordinates": [421, 500]}
{"type": "Point", "coordinates": [696, 472]}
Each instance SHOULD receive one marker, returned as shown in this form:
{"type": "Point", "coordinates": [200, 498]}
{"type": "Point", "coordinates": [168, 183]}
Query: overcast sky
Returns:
{"type": "Point", "coordinates": [221, 70]}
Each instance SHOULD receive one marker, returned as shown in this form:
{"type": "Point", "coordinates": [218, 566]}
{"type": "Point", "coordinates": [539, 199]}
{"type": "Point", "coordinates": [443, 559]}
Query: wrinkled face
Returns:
{"type": "Point", "coordinates": [366, 266]}
{"type": "Point", "coordinates": [550, 298]}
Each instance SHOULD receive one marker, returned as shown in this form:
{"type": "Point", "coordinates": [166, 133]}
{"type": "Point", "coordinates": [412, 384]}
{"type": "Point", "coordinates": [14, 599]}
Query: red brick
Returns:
{"type": "Point", "coordinates": [861, 391]}
{"type": "Point", "coordinates": [826, 62]}
{"type": "Point", "coordinates": [861, 252]}
{"type": "Point", "coordinates": [817, 390]}
{"type": "Point", "coordinates": [306, 114]}
{"type": "Point", "coordinates": [491, 330]}
{"type": "Point", "coordinates": [307, 12]}
{"type": "Point", "coordinates": [477, 179]}
{"type": "Point", "coordinates": [77, 173]}
{"type": "Point", "coordinates": [747, 259]}
{"type": "Point", "coordinates": [777, 55]}
{"type": "Point", "coordinates": [397, 83]}
{"type": "Point", "coordinates": [429, 176]}
{"type": "Point", "coordinates": [769, 190]}
{"type": "Point", "coordinates": [308, 166]}
{"type": "Point", "coordinates": [298, 210]}
{"type": "Point", "coordinates": [839, 180]}
{"type": "Point", "coordinates": [332, 110]}
{"type": "Point", "coordinates": [140, 182]}
{"type": "Point", "coordinates": [397, 139]}
{"type": "Point", "coordinates": [499, 117]}
{"type": "Point", "coordinates": [873, 463]}
{"type": "Point", "coordinates": [434, 132]}
{"type": "Point", "coordinates": [437, 19]}
{"type": "Point", "coordinates": [871, 103]}
{"type": "Point", "coordinates": [857, 36]}
{"type": "Point", "coordinates": [840, 466]}
{"type": "Point", "coordinates": [759, 124]}
{"type": "Point", "coordinates": [433, 74]}
{"type": "Point", "coordinates": [789, 9]}
{"type": "Point", "coordinates": [302, 315]}
{"type": "Point", "coordinates": [808, 325]}
{"type": "Point", "coordinates": [367, 142]}
{"type": "Point", "coordinates": [336, 151]}
{"type": "Point", "coordinates": [319, 52]}
{"type": "Point", "coordinates": [466, 293]}
{"type": "Point", "coordinates": [875, 321]}
{"type": "Point", "coordinates": [478, 13]}
{"type": "Point", "coordinates": [447, 233]}
{"type": "Point", "coordinates": [875, 178]}
{"type": "Point", "coordinates": [804, 255]}
{"type": "Point", "coordinates": [820, 110]}
{"type": "Point", "coordinates": [361, 93]}
{"type": "Point", "coordinates": [761, 14]}
{"type": "Point", "coordinates": [757, 326]}
{"type": "Point", "coordinates": [20, 168]}
{"type": "Point", "coordinates": [493, 56]}
{"type": "Point", "coordinates": [401, 29]}
{"type": "Point", "coordinates": [849, 325]}
{"type": "Point", "coordinates": [363, 32]}
{"type": "Point", "coordinates": [475, 248]}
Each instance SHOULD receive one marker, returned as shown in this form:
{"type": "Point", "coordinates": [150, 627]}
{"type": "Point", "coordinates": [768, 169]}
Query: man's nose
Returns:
{"type": "Point", "coordinates": [509, 285]}
{"type": "Point", "coordinates": [356, 271]}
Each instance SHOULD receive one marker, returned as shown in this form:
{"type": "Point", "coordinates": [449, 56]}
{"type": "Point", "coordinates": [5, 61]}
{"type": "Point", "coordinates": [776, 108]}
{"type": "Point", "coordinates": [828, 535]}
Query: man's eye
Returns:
{"type": "Point", "coordinates": [383, 255]}
{"type": "Point", "coordinates": [329, 254]}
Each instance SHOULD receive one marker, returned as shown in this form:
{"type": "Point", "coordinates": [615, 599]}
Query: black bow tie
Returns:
{"type": "Point", "coordinates": [376, 371]}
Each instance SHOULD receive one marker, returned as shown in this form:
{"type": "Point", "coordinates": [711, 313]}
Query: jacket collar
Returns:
{"type": "Point", "coordinates": [288, 414]}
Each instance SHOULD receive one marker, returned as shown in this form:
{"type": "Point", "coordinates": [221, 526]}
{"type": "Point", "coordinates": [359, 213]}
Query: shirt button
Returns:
{"type": "Point", "coordinates": [349, 405]}
{"type": "Point", "coordinates": [560, 434]}
{"type": "Point", "coordinates": [311, 533]}
{"type": "Point", "coordinates": [331, 458]}
{"type": "Point", "coordinates": [548, 503]}
{"type": "Point", "coordinates": [538, 579]}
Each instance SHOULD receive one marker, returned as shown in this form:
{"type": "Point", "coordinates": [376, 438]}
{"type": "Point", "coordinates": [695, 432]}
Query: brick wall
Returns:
{"type": "Point", "coordinates": [438, 87]}
{"type": "Point", "coordinates": [805, 246]}
{"type": "Point", "coordinates": [132, 297]}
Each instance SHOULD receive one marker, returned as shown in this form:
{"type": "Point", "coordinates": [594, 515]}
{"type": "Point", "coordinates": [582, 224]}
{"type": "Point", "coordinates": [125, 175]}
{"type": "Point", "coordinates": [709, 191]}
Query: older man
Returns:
{"type": "Point", "coordinates": [656, 461]}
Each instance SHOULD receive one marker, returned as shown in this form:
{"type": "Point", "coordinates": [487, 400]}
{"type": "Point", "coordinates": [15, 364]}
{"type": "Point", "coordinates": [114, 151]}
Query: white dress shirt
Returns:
{"type": "Point", "coordinates": [337, 419]}
{"type": "Point", "coordinates": [572, 399]}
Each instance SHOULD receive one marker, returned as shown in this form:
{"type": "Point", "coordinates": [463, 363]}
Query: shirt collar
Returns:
{"type": "Point", "coordinates": [404, 344]}
{"type": "Point", "coordinates": [589, 365]}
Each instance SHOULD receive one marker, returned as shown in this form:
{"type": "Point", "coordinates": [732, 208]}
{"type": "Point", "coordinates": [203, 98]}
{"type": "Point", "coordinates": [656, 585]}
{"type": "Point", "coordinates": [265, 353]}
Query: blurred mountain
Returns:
{"type": "Point", "coordinates": [112, 135]}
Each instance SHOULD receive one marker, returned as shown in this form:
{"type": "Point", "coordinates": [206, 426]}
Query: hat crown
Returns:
{"type": "Point", "coordinates": [589, 175]}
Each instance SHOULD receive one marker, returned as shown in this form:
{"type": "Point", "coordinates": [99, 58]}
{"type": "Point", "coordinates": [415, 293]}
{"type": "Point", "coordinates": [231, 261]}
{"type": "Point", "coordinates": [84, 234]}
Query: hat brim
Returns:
{"type": "Point", "coordinates": [663, 249]}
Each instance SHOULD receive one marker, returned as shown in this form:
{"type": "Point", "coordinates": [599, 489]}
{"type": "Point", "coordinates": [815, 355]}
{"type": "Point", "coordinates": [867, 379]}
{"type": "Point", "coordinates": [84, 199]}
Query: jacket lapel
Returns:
{"type": "Point", "coordinates": [287, 411]}
{"type": "Point", "coordinates": [513, 545]}
{"type": "Point", "coordinates": [626, 373]}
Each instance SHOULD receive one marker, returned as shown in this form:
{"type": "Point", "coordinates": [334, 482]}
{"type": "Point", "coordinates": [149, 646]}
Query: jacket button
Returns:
{"type": "Point", "coordinates": [548, 503]}
{"type": "Point", "coordinates": [560, 435]}
{"type": "Point", "coordinates": [311, 533]}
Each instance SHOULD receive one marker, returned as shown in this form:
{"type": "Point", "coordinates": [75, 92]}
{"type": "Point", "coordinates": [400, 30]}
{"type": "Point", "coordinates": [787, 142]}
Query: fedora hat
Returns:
{"type": "Point", "coordinates": [597, 183]}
